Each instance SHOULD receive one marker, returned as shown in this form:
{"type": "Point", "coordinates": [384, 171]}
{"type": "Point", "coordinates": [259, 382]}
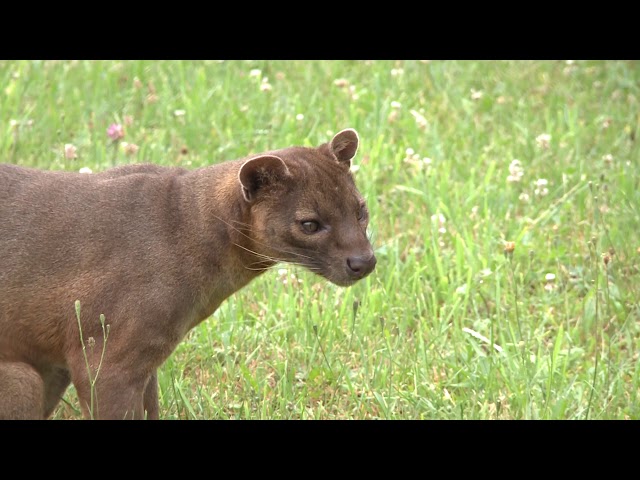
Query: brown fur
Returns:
{"type": "Point", "coordinates": [156, 250]}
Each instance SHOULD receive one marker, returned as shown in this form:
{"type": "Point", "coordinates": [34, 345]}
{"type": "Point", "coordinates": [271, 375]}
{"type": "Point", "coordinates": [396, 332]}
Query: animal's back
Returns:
{"type": "Point", "coordinates": [67, 236]}
{"type": "Point", "coordinates": [58, 216]}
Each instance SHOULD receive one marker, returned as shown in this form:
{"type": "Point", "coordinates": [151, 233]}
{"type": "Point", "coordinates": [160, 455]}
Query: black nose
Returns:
{"type": "Point", "coordinates": [360, 266]}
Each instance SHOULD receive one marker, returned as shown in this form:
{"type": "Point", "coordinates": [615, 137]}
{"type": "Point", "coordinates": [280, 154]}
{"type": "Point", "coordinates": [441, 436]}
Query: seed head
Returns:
{"type": "Point", "coordinates": [130, 148]}
{"type": "Point", "coordinates": [341, 82]}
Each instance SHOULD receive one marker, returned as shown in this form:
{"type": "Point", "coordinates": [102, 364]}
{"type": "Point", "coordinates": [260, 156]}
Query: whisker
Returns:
{"type": "Point", "coordinates": [242, 224]}
{"type": "Point", "coordinates": [263, 265]}
{"type": "Point", "coordinates": [267, 262]}
{"type": "Point", "coordinates": [231, 226]}
{"type": "Point", "coordinates": [261, 255]}
{"type": "Point", "coordinates": [255, 241]}
{"type": "Point", "coordinates": [255, 269]}
{"type": "Point", "coordinates": [298, 254]}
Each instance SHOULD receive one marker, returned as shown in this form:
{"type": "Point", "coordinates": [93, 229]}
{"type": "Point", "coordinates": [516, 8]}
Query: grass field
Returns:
{"type": "Point", "coordinates": [505, 213]}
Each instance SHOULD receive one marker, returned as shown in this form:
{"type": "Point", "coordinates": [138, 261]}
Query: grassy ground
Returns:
{"type": "Point", "coordinates": [503, 289]}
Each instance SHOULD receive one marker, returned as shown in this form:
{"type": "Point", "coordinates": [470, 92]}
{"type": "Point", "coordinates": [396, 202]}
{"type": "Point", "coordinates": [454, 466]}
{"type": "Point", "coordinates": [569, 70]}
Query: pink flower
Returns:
{"type": "Point", "coordinates": [115, 131]}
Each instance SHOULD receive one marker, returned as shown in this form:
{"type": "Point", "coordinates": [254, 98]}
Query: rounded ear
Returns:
{"type": "Point", "coordinates": [259, 173]}
{"type": "Point", "coordinates": [345, 145]}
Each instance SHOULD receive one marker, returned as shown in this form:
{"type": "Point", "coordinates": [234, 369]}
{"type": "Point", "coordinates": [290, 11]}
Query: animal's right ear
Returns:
{"type": "Point", "coordinates": [259, 173]}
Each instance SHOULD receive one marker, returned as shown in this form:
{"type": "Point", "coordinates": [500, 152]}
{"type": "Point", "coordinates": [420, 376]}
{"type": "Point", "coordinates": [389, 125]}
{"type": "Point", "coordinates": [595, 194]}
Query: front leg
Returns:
{"type": "Point", "coordinates": [122, 382]}
{"type": "Point", "coordinates": [150, 400]}
{"type": "Point", "coordinates": [113, 397]}
{"type": "Point", "coordinates": [115, 393]}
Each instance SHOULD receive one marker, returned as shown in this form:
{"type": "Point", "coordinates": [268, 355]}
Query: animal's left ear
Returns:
{"type": "Point", "coordinates": [345, 145]}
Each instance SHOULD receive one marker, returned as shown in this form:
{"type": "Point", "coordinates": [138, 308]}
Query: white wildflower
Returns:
{"type": "Point", "coordinates": [440, 220]}
{"type": "Point", "coordinates": [516, 171]}
{"type": "Point", "coordinates": [543, 140]}
{"type": "Point", "coordinates": [476, 94]}
{"type": "Point", "coordinates": [485, 272]}
{"type": "Point", "coordinates": [353, 93]}
{"type": "Point", "coordinates": [265, 86]}
{"type": "Point", "coordinates": [70, 151]}
{"type": "Point", "coordinates": [541, 187]}
{"type": "Point", "coordinates": [420, 120]}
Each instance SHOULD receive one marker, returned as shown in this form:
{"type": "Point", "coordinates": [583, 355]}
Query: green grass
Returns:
{"type": "Point", "coordinates": [419, 344]}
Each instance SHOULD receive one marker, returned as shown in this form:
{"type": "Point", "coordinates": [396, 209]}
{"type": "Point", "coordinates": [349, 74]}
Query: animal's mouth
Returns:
{"type": "Point", "coordinates": [343, 270]}
{"type": "Point", "coordinates": [344, 282]}
{"type": "Point", "coordinates": [351, 271]}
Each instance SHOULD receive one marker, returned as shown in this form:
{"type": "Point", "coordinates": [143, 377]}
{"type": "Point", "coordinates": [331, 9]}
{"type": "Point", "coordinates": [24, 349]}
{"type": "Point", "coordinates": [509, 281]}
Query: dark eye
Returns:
{"type": "Point", "coordinates": [362, 213]}
{"type": "Point", "coordinates": [310, 226]}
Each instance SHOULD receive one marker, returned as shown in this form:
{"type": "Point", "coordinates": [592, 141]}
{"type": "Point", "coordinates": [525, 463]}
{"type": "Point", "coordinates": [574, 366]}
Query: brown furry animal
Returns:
{"type": "Point", "coordinates": [156, 250]}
